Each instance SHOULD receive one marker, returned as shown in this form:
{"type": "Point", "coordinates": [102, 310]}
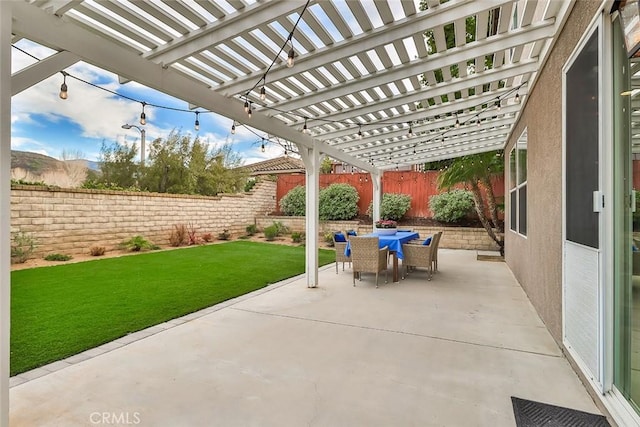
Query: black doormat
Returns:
{"type": "Point", "coordinates": [535, 414]}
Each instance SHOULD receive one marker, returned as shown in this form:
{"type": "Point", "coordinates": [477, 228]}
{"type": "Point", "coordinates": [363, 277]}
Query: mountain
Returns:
{"type": "Point", "coordinates": [35, 167]}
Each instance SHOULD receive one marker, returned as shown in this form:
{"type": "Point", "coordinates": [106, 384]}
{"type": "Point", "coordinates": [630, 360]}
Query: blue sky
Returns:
{"type": "Point", "coordinates": [41, 122]}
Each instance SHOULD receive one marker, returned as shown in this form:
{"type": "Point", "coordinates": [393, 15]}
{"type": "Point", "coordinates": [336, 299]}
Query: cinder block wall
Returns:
{"type": "Point", "coordinates": [71, 221]}
{"type": "Point", "coordinates": [452, 237]}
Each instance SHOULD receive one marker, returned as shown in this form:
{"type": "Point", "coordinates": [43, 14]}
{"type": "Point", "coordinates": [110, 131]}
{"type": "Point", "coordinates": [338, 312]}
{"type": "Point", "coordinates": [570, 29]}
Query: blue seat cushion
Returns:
{"type": "Point", "coordinates": [339, 237]}
{"type": "Point", "coordinates": [427, 241]}
{"type": "Point", "coordinates": [352, 233]}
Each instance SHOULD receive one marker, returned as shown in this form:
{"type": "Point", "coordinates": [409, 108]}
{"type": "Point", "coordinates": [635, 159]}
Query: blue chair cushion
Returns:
{"type": "Point", "coordinates": [427, 241]}
{"type": "Point", "coordinates": [339, 237]}
{"type": "Point", "coordinates": [352, 233]}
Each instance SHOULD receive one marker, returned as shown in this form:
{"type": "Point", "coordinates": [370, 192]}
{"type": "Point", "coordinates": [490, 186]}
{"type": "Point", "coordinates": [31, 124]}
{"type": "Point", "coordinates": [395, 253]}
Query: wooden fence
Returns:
{"type": "Point", "coordinates": [420, 185]}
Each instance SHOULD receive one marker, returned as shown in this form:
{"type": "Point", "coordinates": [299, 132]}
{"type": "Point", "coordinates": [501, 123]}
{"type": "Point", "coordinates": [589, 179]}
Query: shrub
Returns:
{"type": "Point", "coordinates": [225, 235]}
{"type": "Point", "coordinates": [270, 232]}
{"type": "Point", "coordinates": [451, 206]}
{"type": "Point", "coordinates": [207, 237]}
{"type": "Point", "coordinates": [339, 202]}
{"type": "Point", "coordinates": [297, 237]}
{"type": "Point", "coordinates": [252, 229]}
{"type": "Point", "coordinates": [137, 243]}
{"type": "Point", "coordinates": [393, 206]}
{"type": "Point", "coordinates": [58, 257]}
{"type": "Point", "coordinates": [293, 203]}
{"type": "Point", "coordinates": [280, 228]}
{"type": "Point", "coordinates": [328, 238]}
{"type": "Point", "coordinates": [178, 236]}
{"type": "Point", "coordinates": [192, 237]}
{"type": "Point", "coordinates": [22, 247]}
{"type": "Point", "coordinates": [251, 182]}
{"type": "Point", "coordinates": [97, 250]}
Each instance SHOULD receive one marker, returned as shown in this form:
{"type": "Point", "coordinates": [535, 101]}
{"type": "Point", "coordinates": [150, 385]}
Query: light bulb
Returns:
{"type": "Point", "coordinates": [246, 106]}
{"type": "Point", "coordinates": [263, 93]}
{"type": "Point", "coordinates": [197, 123]}
{"type": "Point", "coordinates": [262, 147]}
{"type": "Point", "coordinates": [233, 128]}
{"type": "Point", "coordinates": [143, 118]}
{"type": "Point", "coordinates": [63, 91]}
{"type": "Point", "coordinates": [291, 58]}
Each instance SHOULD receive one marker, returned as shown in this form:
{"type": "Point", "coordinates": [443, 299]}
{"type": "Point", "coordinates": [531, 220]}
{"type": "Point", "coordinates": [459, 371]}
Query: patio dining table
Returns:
{"type": "Point", "coordinates": [394, 242]}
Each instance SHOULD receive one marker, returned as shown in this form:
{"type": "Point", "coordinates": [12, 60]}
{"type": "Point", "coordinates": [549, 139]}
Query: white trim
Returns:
{"type": "Point", "coordinates": [620, 409]}
{"type": "Point", "coordinates": [607, 185]}
{"type": "Point", "coordinates": [518, 186]}
{"type": "Point", "coordinates": [5, 212]}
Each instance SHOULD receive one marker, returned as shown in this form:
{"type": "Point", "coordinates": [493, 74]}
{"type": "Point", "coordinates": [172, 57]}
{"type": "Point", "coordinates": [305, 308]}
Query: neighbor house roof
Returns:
{"type": "Point", "coordinates": [284, 164]}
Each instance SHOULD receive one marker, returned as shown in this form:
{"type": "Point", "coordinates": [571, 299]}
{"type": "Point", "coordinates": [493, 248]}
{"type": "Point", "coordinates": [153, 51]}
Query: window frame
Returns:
{"type": "Point", "coordinates": [518, 185]}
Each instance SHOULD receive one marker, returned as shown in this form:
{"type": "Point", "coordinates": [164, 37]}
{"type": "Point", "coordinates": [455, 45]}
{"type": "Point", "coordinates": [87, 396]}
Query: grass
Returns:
{"type": "Point", "coordinates": [63, 310]}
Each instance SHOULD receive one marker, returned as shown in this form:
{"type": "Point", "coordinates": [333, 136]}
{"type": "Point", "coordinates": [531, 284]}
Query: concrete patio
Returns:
{"type": "Point", "coordinates": [450, 352]}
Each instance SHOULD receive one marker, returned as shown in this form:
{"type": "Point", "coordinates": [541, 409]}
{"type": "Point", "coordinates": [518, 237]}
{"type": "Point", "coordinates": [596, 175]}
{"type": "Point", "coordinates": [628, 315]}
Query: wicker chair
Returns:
{"type": "Point", "coordinates": [418, 256]}
{"type": "Point", "coordinates": [340, 256]}
{"type": "Point", "coordinates": [435, 244]}
{"type": "Point", "coordinates": [367, 257]}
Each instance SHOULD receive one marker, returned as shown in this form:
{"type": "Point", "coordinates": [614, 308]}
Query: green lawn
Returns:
{"type": "Point", "coordinates": [63, 310]}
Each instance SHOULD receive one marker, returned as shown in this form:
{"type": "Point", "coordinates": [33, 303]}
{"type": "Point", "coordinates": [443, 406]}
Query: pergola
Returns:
{"type": "Point", "coordinates": [375, 84]}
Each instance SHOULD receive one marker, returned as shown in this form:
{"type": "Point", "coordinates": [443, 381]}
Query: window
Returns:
{"type": "Point", "coordinates": [518, 186]}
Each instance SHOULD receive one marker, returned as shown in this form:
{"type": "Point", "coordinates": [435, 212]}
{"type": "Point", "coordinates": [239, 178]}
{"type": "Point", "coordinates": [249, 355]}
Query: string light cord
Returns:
{"type": "Point", "coordinates": [275, 59]}
{"type": "Point", "coordinates": [476, 117]}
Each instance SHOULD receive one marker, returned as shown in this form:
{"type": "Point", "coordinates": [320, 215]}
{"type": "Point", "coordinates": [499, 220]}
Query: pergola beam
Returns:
{"type": "Point", "coordinates": [435, 62]}
{"type": "Point", "coordinates": [41, 70]}
{"type": "Point", "coordinates": [405, 28]}
{"type": "Point", "coordinates": [92, 48]}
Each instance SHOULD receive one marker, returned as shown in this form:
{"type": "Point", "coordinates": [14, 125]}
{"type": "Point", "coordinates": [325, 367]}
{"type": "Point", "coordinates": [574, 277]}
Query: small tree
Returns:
{"type": "Point", "coordinates": [339, 201]}
{"type": "Point", "coordinates": [475, 171]}
{"type": "Point", "coordinates": [293, 203]}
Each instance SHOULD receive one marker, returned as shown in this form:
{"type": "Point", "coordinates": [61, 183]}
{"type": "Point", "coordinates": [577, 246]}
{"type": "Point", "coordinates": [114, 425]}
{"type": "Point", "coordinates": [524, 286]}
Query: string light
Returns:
{"type": "Point", "coordinates": [291, 57]}
{"type": "Point", "coordinates": [457, 121]}
{"type": "Point", "coordinates": [263, 90]}
{"type": "Point", "coordinates": [410, 134]}
{"type": "Point", "coordinates": [248, 105]}
{"type": "Point", "coordinates": [143, 116]}
{"type": "Point", "coordinates": [305, 129]}
{"type": "Point", "coordinates": [233, 128]}
{"type": "Point", "coordinates": [262, 146]}
{"type": "Point", "coordinates": [197, 123]}
{"type": "Point", "coordinates": [63, 86]}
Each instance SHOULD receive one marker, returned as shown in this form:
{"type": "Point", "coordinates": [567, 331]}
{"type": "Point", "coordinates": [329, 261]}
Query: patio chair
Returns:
{"type": "Point", "coordinates": [418, 256]}
{"type": "Point", "coordinates": [340, 245]}
{"type": "Point", "coordinates": [436, 244]}
{"type": "Point", "coordinates": [367, 257]}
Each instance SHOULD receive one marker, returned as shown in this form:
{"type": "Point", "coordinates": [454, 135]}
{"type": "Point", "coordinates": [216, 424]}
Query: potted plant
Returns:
{"type": "Point", "coordinates": [386, 227]}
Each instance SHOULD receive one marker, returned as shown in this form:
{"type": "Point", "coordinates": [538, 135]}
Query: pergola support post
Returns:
{"type": "Point", "coordinates": [5, 204]}
{"type": "Point", "coordinates": [376, 181]}
{"type": "Point", "coordinates": [311, 159]}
